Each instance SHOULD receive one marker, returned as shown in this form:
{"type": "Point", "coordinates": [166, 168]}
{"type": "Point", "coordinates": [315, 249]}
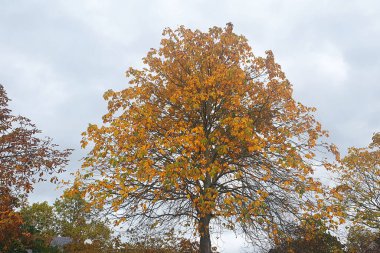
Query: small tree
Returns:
{"type": "Point", "coordinates": [40, 217]}
{"type": "Point", "coordinates": [207, 135]}
{"type": "Point", "coordinates": [311, 236]}
{"type": "Point", "coordinates": [69, 217]}
{"type": "Point", "coordinates": [75, 219]}
{"type": "Point", "coordinates": [360, 179]}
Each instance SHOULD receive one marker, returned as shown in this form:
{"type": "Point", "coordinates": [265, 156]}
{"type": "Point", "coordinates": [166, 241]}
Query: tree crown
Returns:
{"type": "Point", "coordinates": [206, 131]}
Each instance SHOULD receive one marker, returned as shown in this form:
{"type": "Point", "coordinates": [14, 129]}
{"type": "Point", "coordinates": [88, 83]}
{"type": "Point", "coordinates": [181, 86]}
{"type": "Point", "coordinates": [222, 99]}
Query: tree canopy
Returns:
{"type": "Point", "coordinates": [25, 158]}
{"type": "Point", "coordinates": [207, 134]}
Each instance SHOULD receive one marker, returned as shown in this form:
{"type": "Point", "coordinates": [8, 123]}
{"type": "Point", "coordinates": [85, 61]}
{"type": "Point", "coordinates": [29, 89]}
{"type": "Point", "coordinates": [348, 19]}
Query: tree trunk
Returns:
{"type": "Point", "coordinates": [204, 232]}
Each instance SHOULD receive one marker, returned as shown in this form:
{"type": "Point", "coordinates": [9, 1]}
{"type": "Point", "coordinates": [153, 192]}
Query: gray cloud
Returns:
{"type": "Point", "coordinates": [58, 57]}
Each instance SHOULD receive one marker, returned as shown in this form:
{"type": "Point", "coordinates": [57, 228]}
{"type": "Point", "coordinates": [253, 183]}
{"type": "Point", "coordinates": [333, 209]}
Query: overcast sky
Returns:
{"type": "Point", "coordinates": [58, 57]}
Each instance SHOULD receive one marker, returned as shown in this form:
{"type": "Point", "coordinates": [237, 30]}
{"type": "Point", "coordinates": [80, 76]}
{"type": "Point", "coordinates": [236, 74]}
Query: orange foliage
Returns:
{"type": "Point", "coordinates": [25, 158]}
{"type": "Point", "coordinates": [206, 132]}
{"type": "Point", "coordinates": [10, 221]}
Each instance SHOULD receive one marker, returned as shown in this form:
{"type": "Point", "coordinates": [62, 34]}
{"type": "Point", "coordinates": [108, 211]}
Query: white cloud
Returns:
{"type": "Point", "coordinates": [328, 63]}
{"type": "Point", "coordinates": [33, 77]}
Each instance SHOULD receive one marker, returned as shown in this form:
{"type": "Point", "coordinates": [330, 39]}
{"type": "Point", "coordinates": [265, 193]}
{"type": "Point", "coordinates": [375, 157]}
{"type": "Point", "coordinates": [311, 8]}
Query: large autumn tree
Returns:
{"type": "Point", "coordinates": [208, 135]}
{"type": "Point", "coordinates": [25, 158]}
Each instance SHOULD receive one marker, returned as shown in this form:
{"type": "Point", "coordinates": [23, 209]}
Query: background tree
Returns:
{"type": "Point", "coordinates": [360, 179]}
{"type": "Point", "coordinates": [41, 217]}
{"type": "Point", "coordinates": [311, 236]}
{"type": "Point", "coordinates": [39, 221]}
{"type": "Point", "coordinates": [75, 219]}
{"type": "Point", "coordinates": [24, 159]}
{"type": "Point", "coordinates": [68, 217]}
{"type": "Point", "coordinates": [26, 229]}
{"type": "Point", "coordinates": [362, 240]}
{"type": "Point", "coordinates": [148, 240]}
{"type": "Point", "coordinates": [207, 135]}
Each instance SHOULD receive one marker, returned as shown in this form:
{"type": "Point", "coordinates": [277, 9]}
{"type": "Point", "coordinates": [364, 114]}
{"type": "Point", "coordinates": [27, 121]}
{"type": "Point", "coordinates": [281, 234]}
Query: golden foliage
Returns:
{"type": "Point", "coordinates": [206, 131]}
